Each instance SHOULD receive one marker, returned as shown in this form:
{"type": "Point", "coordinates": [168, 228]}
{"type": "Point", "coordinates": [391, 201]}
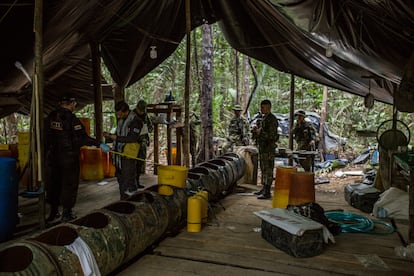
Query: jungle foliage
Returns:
{"type": "Point", "coordinates": [345, 112]}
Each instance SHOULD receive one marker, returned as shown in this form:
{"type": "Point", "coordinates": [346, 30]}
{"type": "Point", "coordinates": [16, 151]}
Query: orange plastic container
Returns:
{"type": "Point", "coordinates": [302, 188]}
{"type": "Point", "coordinates": [91, 163]}
{"type": "Point", "coordinates": [282, 186]}
{"type": "Point", "coordinates": [108, 166]}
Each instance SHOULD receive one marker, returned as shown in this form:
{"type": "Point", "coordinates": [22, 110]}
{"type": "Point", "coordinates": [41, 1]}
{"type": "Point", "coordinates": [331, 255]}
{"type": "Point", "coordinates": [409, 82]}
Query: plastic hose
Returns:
{"type": "Point", "coordinates": [353, 223]}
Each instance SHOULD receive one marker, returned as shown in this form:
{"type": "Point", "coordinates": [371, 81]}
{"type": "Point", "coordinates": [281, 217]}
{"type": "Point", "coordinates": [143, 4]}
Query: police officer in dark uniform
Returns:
{"type": "Point", "coordinates": [65, 134]}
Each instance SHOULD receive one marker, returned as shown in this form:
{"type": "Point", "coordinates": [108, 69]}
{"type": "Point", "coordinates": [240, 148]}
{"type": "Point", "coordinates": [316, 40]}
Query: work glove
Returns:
{"type": "Point", "coordinates": [104, 147]}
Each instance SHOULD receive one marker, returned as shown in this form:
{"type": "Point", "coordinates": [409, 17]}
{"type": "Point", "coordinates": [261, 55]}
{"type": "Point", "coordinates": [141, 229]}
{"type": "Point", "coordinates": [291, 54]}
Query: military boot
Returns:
{"type": "Point", "coordinates": [259, 192]}
{"type": "Point", "coordinates": [266, 193]}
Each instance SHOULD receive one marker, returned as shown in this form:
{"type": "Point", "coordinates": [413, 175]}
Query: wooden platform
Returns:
{"type": "Point", "coordinates": [231, 243]}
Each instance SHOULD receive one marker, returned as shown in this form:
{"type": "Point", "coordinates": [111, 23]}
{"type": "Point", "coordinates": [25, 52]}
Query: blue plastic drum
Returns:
{"type": "Point", "coordinates": [8, 197]}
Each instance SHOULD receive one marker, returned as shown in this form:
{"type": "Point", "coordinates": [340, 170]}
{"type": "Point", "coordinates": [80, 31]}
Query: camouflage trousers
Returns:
{"type": "Point", "coordinates": [267, 163]}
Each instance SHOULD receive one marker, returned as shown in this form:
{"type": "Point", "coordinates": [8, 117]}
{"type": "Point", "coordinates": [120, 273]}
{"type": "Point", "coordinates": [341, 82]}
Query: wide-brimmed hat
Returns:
{"type": "Point", "coordinates": [237, 107]}
{"type": "Point", "coordinates": [300, 112]}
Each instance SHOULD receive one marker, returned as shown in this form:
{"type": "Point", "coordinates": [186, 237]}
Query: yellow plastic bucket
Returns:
{"type": "Point", "coordinates": [172, 175]}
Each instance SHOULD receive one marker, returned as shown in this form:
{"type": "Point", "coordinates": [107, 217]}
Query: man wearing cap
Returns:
{"type": "Point", "coordinates": [125, 142]}
{"type": "Point", "coordinates": [266, 136]}
{"type": "Point", "coordinates": [65, 134]}
{"type": "Point", "coordinates": [238, 131]}
{"type": "Point", "coordinates": [146, 127]}
{"type": "Point", "coordinates": [305, 137]}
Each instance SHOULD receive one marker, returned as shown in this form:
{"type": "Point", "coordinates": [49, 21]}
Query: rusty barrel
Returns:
{"type": "Point", "coordinates": [239, 162]}
{"type": "Point", "coordinates": [226, 171]}
{"type": "Point", "coordinates": [105, 235]}
{"type": "Point", "coordinates": [30, 258]}
{"type": "Point", "coordinates": [171, 206]}
{"type": "Point", "coordinates": [302, 188]}
{"type": "Point", "coordinates": [55, 240]}
{"type": "Point", "coordinates": [211, 179]}
{"type": "Point", "coordinates": [145, 218]}
{"type": "Point", "coordinates": [220, 170]}
{"type": "Point", "coordinates": [176, 206]}
{"type": "Point", "coordinates": [195, 181]}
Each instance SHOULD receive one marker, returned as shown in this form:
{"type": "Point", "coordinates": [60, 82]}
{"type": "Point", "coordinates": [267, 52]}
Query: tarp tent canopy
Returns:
{"type": "Point", "coordinates": [372, 42]}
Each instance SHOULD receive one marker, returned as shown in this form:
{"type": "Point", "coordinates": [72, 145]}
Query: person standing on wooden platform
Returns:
{"type": "Point", "coordinates": [146, 127]}
{"type": "Point", "coordinates": [305, 137]}
{"type": "Point", "coordinates": [126, 142]}
{"type": "Point", "coordinates": [65, 134]}
{"type": "Point", "coordinates": [266, 136]}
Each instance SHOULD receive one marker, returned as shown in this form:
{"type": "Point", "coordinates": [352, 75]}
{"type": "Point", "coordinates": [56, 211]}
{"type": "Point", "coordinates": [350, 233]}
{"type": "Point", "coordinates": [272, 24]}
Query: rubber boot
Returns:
{"type": "Point", "coordinates": [259, 192]}
{"type": "Point", "coordinates": [266, 193]}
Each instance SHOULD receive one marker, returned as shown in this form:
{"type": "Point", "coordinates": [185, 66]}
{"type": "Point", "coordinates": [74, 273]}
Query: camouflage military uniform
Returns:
{"type": "Point", "coordinates": [238, 133]}
{"type": "Point", "coordinates": [266, 142]}
{"type": "Point", "coordinates": [304, 133]}
{"type": "Point", "coordinates": [146, 127]}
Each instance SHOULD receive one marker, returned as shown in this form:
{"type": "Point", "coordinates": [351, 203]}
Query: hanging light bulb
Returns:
{"type": "Point", "coordinates": [153, 52]}
{"type": "Point", "coordinates": [329, 51]}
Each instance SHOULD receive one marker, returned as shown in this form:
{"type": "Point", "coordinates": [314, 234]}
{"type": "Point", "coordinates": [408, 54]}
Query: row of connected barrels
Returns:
{"type": "Point", "coordinates": [121, 230]}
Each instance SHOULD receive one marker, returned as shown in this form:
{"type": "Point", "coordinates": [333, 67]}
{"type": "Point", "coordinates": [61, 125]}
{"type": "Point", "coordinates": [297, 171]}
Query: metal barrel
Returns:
{"type": "Point", "coordinates": [211, 180]}
{"type": "Point", "coordinates": [195, 182]}
{"type": "Point", "coordinates": [176, 206]}
{"type": "Point", "coordinates": [53, 241]}
{"type": "Point", "coordinates": [221, 172]}
{"type": "Point", "coordinates": [28, 258]}
{"type": "Point", "coordinates": [105, 235]}
{"type": "Point", "coordinates": [228, 173]}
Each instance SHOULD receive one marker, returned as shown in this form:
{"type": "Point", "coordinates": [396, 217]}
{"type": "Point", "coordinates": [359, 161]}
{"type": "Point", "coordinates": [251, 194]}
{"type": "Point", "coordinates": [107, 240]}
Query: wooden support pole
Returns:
{"type": "Point", "coordinates": [38, 81]}
{"type": "Point", "coordinates": [291, 109]}
{"type": "Point", "coordinates": [97, 88]}
{"type": "Point", "coordinates": [186, 132]}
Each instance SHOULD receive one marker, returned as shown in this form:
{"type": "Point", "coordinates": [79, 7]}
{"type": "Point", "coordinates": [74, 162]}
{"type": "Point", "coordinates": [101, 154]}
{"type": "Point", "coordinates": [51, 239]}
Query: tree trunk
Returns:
{"type": "Point", "coordinates": [322, 148]}
{"type": "Point", "coordinates": [237, 62]}
{"type": "Point", "coordinates": [11, 129]}
{"type": "Point", "coordinates": [206, 151]}
{"type": "Point", "coordinates": [246, 82]}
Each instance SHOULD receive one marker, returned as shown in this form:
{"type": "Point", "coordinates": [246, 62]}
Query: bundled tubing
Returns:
{"type": "Point", "coordinates": [121, 230]}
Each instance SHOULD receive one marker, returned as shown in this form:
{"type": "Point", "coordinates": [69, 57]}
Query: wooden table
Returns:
{"type": "Point", "coordinates": [297, 154]}
{"type": "Point", "coordinates": [170, 109]}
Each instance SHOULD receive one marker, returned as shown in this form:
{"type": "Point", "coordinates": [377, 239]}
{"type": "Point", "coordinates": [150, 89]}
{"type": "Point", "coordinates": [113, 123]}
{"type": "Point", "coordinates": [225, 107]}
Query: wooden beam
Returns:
{"type": "Point", "coordinates": [97, 88]}
{"type": "Point", "coordinates": [186, 134]}
{"type": "Point", "coordinates": [37, 151]}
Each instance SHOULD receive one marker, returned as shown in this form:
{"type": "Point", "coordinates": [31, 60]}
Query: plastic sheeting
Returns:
{"type": "Point", "coordinates": [369, 38]}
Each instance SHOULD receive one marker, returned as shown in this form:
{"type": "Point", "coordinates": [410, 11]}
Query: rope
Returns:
{"type": "Point", "coordinates": [136, 158]}
{"type": "Point", "coordinates": [353, 223]}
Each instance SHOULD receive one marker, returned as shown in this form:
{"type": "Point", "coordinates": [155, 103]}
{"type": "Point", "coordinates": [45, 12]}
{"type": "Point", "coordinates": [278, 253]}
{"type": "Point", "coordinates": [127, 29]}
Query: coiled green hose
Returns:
{"type": "Point", "coordinates": [353, 223]}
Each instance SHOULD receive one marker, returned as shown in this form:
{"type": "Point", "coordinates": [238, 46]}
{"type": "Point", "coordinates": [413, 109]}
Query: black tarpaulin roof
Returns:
{"type": "Point", "coordinates": [372, 41]}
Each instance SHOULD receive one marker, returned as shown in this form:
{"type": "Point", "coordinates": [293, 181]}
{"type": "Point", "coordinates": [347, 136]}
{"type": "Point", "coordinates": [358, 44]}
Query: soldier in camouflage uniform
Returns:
{"type": "Point", "coordinates": [305, 137]}
{"type": "Point", "coordinates": [266, 136]}
{"type": "Point", "coordinates": [238, 132]}
{"type": "Point", "coordinates": [144, 138]}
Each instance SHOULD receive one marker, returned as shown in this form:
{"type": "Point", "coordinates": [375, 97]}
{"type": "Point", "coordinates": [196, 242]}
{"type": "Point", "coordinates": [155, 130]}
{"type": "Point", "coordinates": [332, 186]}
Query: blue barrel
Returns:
{"type": "Point", "coordinates": [8, 197]}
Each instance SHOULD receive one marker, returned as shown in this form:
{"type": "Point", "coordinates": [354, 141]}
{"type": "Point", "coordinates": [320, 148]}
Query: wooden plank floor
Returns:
{"type": "Point", "coordinates": [231, 243]}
